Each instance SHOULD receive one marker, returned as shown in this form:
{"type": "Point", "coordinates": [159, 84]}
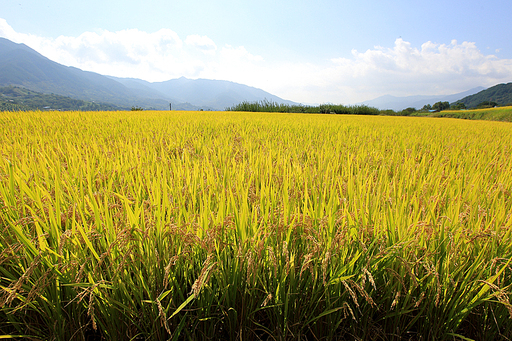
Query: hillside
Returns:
{"type": "Point", "coordinates": [24, 67]}
{"type": "Point", "coordinates": [207, 94]}
{"type": "Point", "coordinates": [214, 93]}
{"type": "Point", "coordinates": [399, 103]}
{"type": "Point", "coordinates": [15, 98]}
{"type": "Point", "coordinates": [503, 114]}
{"type": "Point", "coordinates": [500, 94]}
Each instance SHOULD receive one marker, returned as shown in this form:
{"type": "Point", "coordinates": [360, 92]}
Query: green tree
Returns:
{"type": "Point", "coordinates": [458, 106]}
{"type": "Point", "coordinates": [486, 104]}
{"type": "Point", "coordinates": [408, 111]}
{"type": "Point", "coordinates": [440, 106]}
{"type": "Point", "coordinates": [426, 107]}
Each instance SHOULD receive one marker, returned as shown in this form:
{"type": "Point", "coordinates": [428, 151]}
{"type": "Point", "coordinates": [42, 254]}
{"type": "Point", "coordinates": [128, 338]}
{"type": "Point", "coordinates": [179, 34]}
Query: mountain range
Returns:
{"type": "Point", "coordinates": [24, 67]}
{"type": "Point", "coordinates": [203, 93]}
{"type": "Point", "coordinates": [399, 103]}
{"type": "Point", "coordinates": [21, 66]}
{"type": "Point", "coordinates": [500, 94]}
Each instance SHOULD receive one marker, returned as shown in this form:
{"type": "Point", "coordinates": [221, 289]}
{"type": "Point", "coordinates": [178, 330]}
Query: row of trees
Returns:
{"type": "Point", "coordinates": [271, 106]}
{"type": "Point", "coordinates": [13, 98]}
{"type": "Point", "coordinates": [440, 106]}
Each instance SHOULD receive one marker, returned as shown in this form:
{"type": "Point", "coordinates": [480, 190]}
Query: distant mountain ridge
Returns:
{"type": "Point", "coordinates": [501, 94]}
{"type": "Point", "coordinates": [22, 66]}
{"type": "Point", "coordinates": [205, 93]}
{"type": "Point", "coordinates": [400, 103]}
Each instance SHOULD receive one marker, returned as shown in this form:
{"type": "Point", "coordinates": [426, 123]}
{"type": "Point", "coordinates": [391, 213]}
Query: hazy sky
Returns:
{"type": "Point", "coordinates": [305, 51]}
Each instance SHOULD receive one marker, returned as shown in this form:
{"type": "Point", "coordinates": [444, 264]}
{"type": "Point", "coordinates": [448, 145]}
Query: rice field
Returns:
{"type": "Point", "coordinates": [254, 226]}
{"type": "Point", "coordinates": [493, 114]}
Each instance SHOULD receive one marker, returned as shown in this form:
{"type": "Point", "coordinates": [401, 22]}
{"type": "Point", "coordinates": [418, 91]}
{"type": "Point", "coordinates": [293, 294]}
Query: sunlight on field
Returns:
{"type": "Point", "coordinates": [223, 224]}
{"type": "Point", "coordinates": [491, 114]}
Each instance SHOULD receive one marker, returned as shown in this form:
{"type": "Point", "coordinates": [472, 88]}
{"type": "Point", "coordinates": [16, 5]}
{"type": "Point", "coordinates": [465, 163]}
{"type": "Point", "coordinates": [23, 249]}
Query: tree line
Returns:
{"type": "Point", "coordinates": [271, 106]}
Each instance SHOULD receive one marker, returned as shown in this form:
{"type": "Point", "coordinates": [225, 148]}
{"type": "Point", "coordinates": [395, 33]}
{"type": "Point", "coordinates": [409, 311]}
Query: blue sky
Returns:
{"type": "Point", "coordinates": [305, 51]}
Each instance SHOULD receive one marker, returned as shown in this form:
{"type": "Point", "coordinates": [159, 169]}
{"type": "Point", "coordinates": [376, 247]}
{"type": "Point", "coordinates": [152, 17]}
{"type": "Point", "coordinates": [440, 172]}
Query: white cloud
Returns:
{"type": "Point", "coordinates": [157, 56]}
{"type": "Point", "coordinates": [7, 31]}
{"type": "Point", "coordinates": [203, 43]}
{"type": "Point", "coordinates": [399, 70]}
{"type": "Point", "coordinates": [404, 70]}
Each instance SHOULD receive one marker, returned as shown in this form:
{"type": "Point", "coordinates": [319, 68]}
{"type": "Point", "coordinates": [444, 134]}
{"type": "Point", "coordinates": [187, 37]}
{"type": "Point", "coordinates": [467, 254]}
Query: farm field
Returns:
{"type": "Point", "coordinates": [492, 114]}
{"type": "Point", "coordinates": [254, 226]}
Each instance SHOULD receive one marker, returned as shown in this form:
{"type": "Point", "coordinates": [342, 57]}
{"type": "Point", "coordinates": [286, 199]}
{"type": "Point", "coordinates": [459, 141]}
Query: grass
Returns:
{"type": "Point", "coordinates": [490, 114]}
{"type": "Point", "coordinates": [271, 106]}
{"type": "Point", "coordinates": [248, 226]}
